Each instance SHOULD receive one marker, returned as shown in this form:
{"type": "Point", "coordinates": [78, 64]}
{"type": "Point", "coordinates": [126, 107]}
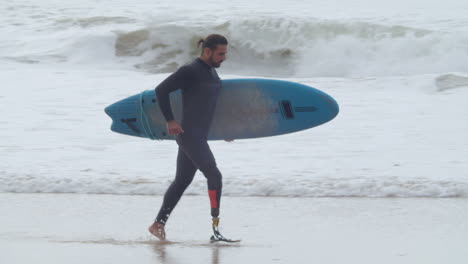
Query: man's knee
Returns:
{"type": "Point", "coordinates": [181, 184]}
{"type": "Point", "coordinates": [213, 175]}
{"type": "Point", "coordinates": [209, 168]}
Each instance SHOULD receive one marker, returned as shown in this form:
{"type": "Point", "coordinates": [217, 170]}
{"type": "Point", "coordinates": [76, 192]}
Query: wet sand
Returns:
{"type": "Point", "coordinates": [71, 228]}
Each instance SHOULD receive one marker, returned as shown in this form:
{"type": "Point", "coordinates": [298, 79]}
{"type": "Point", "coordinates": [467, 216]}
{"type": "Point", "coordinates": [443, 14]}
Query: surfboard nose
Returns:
{"type": "Point", "coordinates": [124, 116]}
{"type": "Point", "coordinates": [329, 107]}
{"type": "Point", "coordinates": [334, 107]}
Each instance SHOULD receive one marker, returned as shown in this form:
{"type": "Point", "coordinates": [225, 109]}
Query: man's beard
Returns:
{"type": "Point", "coordinates": [215, 64]}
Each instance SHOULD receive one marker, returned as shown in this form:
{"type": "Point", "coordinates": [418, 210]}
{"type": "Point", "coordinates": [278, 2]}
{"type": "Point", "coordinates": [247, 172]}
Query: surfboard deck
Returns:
{"type": "Point", "coordinates": [246, 108]}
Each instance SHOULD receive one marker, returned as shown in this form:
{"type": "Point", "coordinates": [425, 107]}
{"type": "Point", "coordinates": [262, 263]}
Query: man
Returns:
{"type": "Point", "coordinates": [200, 87]}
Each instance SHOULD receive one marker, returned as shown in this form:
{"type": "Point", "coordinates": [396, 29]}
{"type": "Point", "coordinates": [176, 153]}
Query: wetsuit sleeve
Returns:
{"type": "Point", "coordinates": [180, 79]}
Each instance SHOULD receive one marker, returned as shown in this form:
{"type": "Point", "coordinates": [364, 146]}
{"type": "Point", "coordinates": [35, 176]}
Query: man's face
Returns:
{"type": "Point", "coordinates": [218, 55]}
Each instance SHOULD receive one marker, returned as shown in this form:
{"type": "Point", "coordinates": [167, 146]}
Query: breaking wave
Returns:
{"type": "Point", "coordinates": [302, 48]}
{"type": "Point", "coordinates": [267, 46]}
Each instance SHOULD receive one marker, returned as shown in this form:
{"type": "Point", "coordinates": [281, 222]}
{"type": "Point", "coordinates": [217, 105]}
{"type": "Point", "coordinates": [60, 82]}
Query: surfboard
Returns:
{"type": "Point", "coordinates": [246, 108]}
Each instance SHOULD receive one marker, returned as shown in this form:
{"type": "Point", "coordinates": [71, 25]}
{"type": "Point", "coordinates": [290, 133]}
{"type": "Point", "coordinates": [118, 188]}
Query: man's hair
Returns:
{"type": "Point", "coordinates": [212, 41]}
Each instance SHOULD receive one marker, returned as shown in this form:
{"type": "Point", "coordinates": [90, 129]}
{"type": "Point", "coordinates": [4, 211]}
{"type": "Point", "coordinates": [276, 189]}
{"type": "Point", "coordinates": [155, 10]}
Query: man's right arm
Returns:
{"type": "Point", "coordinates": [178, 80]}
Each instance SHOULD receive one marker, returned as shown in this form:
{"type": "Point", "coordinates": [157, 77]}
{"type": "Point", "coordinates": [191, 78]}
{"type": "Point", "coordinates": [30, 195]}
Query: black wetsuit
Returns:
{"type": "Point", "coordinates": [200, 87]}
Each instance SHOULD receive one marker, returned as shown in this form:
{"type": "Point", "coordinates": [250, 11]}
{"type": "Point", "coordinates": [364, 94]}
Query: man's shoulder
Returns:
{"type": "Point", "coordinates": [188, 68]}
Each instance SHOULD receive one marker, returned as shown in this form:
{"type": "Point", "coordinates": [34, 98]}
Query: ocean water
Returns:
{"type": "Point", "coordinates": [398, 69]}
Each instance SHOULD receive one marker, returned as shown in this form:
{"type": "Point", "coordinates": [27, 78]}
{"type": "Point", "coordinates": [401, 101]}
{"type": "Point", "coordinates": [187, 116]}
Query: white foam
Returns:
{"type": "Point", "coordinates": [382, 144]}
{"type": "Point", "coordinates": [240, 185]}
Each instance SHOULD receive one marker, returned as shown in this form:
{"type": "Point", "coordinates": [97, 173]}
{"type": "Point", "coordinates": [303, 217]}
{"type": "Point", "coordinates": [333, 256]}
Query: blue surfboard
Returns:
{"type": "Point", "coordinates": [246, 108]}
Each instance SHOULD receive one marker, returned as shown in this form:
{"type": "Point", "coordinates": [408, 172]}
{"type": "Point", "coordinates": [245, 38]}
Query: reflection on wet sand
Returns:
{"type": "Point", "coordinates": [165, 251]}
{"type": "Point", "coordinates": [161, 250]}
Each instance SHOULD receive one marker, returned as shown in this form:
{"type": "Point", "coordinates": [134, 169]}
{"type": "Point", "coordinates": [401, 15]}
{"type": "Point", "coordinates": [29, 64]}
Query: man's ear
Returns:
{"type": "Point", "coordinates": [208, 52]}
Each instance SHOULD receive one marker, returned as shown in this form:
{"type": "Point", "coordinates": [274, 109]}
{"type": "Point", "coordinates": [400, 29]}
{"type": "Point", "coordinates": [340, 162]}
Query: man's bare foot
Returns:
{"type": "Point", "coordinates": [157, 229]}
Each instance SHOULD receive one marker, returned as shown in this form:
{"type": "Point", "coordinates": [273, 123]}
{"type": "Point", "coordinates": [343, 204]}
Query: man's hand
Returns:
{"type": "Point", "coordinates": [174, 128]}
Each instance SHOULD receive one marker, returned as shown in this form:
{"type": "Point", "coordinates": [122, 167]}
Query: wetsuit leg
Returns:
{"type": "Point", "coordinates": [200, 153]}
{"type": "Point", "coordinates": [184, 176]}
{"type": "Point", "coordinates": [215, 186]}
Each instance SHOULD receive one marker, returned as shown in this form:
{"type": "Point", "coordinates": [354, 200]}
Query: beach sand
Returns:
{"type": "Point", "coordinates": [87, 228]}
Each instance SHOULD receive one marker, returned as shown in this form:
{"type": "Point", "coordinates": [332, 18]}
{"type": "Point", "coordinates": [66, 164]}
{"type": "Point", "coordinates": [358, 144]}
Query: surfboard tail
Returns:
{"type": "Point", "coordinates": [125, 118]}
